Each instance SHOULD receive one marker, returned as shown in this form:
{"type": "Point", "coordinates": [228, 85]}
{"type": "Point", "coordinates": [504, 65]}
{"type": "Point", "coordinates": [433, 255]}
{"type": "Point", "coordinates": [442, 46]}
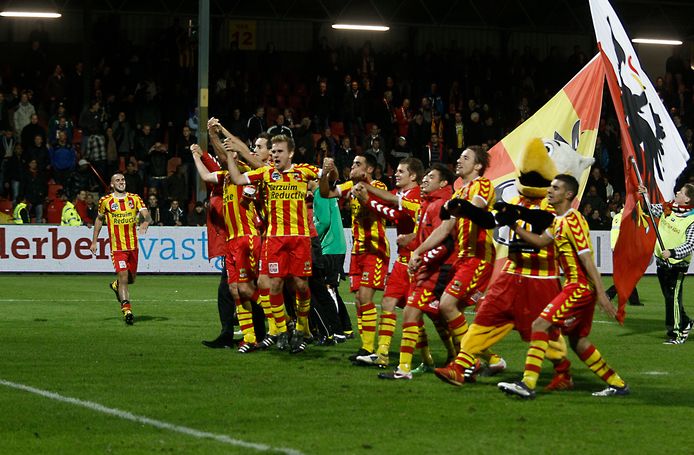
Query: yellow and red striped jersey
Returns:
{"type": "Point", "coordinates": [285, 197]}
{"type": "Point", "coordinates": [534, 262]}
{"type": "Point", "coordinates": [571, 238]}
{"type": "Point", "coordinates": [240, 215]}
{"type": "Point", "coordinates": [474, 241]}
{"type": "Point", "coordinates": [368, 229]}
{"type": "Point", "coordinates": [121, 218]}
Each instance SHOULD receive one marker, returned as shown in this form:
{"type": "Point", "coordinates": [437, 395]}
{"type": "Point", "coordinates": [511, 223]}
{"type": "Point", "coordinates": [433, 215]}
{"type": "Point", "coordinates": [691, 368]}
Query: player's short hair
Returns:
{"type": "Point", "coordinates": [415, 166]}
{"type": "Point", "coordinates": [570, 182]}
{"type": "Point", "coordinates": [444, 171]}
{"type": "Point", "coordinates": [283, 138]}
{"type": "Point", "coordinates": [481, 157]}
{"type": "Point", "coordinates": [265, 136]}
{"type": "Point", "coordinates": [370, 160]}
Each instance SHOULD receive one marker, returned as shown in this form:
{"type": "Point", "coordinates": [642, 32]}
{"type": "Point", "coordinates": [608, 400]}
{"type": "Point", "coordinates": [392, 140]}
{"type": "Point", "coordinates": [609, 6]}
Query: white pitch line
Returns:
{"type": "Point", "coordinates": [224, 439]}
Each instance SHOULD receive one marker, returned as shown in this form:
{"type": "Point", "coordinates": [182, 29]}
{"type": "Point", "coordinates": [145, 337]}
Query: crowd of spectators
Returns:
{"type": "Point", "coordinates": [137, 114]}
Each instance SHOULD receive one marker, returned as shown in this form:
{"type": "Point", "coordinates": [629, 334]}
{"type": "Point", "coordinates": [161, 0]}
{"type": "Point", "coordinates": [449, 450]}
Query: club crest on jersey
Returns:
{"type": "Point", "coordinates": [131, 204]}
{"type": "Point", "coordinates": [297, 176]}
{"type": "Point", "coordinates": [365, 276]}
{"type": "Point", "coordinates": [455, 287]}
{"type": "Point", "coordinates": [243, 273]}
{"type": "Point", "coordinates": [307, 266]}
{"type": "Point", "coordinates": [114, 206]}
{"type": "Point", "coordinates": [275, 176]}
{"type": "Point", "coordinates": [273, 267]}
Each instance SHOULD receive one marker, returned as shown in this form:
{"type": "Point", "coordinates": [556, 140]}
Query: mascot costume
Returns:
{"type": "Point", "coordinates": [529, 278]}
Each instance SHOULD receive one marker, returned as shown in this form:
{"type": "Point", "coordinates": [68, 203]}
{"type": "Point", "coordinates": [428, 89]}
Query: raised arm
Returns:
{"type": "Point", "coordinates": [328, 177]}
{"type": "Point", "coordinates": [656, 209]}
{"type": "Point", "coordinates": [205, 174]}
{"type": "Point", "coordinates": [215, 141]}
{"type": "Point", "coordinates": [236, 177]}
{"type": "Point", "coordinates": [385, 196]}
{"type": "Point", "coordinates": [241, 147]}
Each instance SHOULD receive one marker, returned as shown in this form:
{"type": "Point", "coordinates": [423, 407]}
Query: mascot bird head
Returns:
{"type": "Point", "coordinates": [535, 170]}
{"type": "Point", "coordinates": [543, 159]}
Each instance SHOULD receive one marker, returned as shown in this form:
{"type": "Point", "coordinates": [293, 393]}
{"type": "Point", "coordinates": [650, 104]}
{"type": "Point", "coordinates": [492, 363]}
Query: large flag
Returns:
{"type": "Point", "coordinates": [648, 136]}
{"type": "Point", "coordinates": [568, 125]}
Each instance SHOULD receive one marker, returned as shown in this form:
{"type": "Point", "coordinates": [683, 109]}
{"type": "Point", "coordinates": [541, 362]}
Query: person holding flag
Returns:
{"type": "Point", "coordinates": [673, 256]}
{"type": "Point", "coordinates": [652, 147]}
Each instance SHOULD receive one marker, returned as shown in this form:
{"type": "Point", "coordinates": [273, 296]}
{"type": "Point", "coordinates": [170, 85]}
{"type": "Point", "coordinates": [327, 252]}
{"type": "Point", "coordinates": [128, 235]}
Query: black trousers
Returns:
{"type": "Point", "coordinates": [324, 316]}
{"type": "Point", "coordinates": [633, 298]}
{"type": "Point", "coordinates": [225, 304]}
{"type": "Point", "coordinates": [671, 284]}
{"type": "Point", "coordinates": [334, 269]}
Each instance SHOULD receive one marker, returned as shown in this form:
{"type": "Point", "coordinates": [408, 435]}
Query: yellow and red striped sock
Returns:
{"type": "Point", "coordinates": [264, 302]}
{"type": "Point", "coordinates": [423, 344]}
{"type": "Point", "coordinates": [562, 366]}
{"type": "Point", "coordinates": [386, 327]}
{"type": "Point", "coordinates": [278, 312]}
{"type": "Point", "coordinates": [458, 327]}
{"type": "Point", "coordinates": [359, 319]}
{"type": "Point", "coordinates": [303, 307]}
{"type": "Point", "coordinates": [368, 326]}
{"type": "Point", "coordinates": [445, 335]}
{"type": "Point", "coordinates": [593, 359]}
{"type": "Point", "coordinates": [245, 317]}
{"type": "Point", "coordinates": [533, 360]}
{"type": "Point", "coordinates": [464, 359]}
{"type": "Point", "coordinates": [410, 333]}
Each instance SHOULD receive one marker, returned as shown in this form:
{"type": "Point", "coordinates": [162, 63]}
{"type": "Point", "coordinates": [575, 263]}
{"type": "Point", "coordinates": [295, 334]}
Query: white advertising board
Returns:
{"type": "Point", "coordinates": [48, 248]}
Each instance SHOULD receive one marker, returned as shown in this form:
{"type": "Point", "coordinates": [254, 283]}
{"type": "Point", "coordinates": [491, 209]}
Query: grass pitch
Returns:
{"type": "Point", "coordinates": [63, 337]}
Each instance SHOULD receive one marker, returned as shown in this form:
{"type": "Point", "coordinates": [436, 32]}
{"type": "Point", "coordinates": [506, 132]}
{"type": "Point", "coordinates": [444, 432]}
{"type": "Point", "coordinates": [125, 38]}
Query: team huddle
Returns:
{"type": "Point", "coordinates": [445, 259]}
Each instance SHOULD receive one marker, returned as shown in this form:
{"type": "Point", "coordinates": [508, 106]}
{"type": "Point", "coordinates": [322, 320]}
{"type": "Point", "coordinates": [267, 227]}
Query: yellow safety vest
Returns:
{"type": "Point", "coordinates": [614, 232]}
{"type": "Point", "coordinates": [673, 231]}
{"type": "Point", "coordinates": [70, 217]}
{"type": "Point", "coordinates": [17, 214]}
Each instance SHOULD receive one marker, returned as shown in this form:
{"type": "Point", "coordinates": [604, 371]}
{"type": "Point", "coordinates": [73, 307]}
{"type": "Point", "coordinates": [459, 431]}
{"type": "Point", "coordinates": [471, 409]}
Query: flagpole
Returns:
{"type": "Point", "coordinates": [648, 203]}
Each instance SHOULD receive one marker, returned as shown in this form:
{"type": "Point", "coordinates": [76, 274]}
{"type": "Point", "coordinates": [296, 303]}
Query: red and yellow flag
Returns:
{"type": "Point", "coordinates": [568, 125]}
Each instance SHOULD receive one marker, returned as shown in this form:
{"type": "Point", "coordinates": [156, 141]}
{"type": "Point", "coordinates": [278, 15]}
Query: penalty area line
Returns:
{"type": "Point", "coordinates": [224, 439]}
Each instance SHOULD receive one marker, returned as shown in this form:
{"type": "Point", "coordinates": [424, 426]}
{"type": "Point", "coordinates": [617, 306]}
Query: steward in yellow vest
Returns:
{"type": "Point", "coordinates": [677, 231]}
{"type": "Point", "coordinates": [21, 212]}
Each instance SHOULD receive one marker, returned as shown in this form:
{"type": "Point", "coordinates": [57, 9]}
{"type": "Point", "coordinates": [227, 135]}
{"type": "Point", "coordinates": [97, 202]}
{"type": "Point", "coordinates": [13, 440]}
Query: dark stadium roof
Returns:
{"type": "Point", "coordinates": [671, 17]}
{"type": "Point", "coordinates": [571, 16]}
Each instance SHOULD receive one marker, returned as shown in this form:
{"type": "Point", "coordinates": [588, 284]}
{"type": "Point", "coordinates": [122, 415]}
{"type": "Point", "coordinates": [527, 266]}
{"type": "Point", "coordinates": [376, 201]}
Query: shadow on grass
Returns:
{"type": "Point", "coordinates": [311, 352]}
{"type": "Point", "coordinates": [641, 326]}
